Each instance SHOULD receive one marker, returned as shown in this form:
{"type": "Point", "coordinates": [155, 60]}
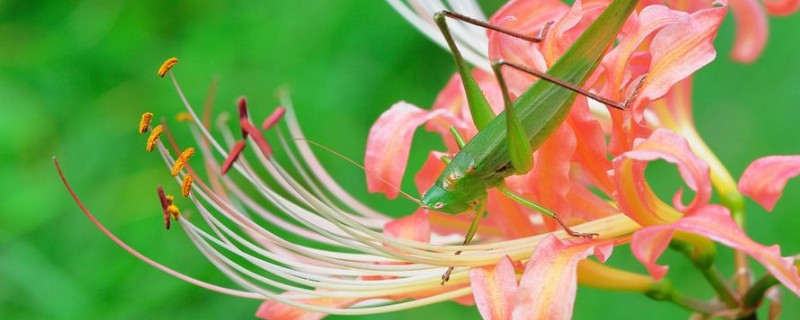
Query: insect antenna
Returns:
{"type": "Point", "coordinates": [355, 163]}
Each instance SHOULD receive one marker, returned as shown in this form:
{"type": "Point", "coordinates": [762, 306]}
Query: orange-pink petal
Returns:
{"type": "Point", "coordinates": [274, 310]}
{"type": "Point", "coordinates": [493, 288]}
{"type": "Point", "coordinates": [751, 30]}
{"type": "Point", "coordinates": [764, 179]}
{"type": "Point", "coordinates": [388, 146]}
{"type": "Point", "coordinates": [715, 223]}
{"type": "Point", "coordinates": [617, 62]}
{"type": "Point", "coordinates": [680, 49]}
{"type": "Point", "coordinates": [782, 7]}
{"type": "Point", "coordinates": [590, 145]}
{"type": "Point", "coordinates": [415, 227]}
{"type": "Point", "coordinates": [548, 285]}
{"type": "Point", "coordinates": [633, 194]}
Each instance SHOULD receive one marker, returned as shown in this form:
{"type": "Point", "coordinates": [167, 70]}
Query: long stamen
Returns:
{"type": "Point", "coordinates": [126, 247]}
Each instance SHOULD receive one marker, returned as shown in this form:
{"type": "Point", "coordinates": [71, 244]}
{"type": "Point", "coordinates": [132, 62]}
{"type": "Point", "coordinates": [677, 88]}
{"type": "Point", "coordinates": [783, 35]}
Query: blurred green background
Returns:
{"type": "Point", "coordinates": [75, 77]}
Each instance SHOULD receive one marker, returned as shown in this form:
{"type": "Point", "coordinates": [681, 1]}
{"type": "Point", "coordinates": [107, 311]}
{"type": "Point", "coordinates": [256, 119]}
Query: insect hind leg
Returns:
{"type": "Point", "coordinates": [543, 75]}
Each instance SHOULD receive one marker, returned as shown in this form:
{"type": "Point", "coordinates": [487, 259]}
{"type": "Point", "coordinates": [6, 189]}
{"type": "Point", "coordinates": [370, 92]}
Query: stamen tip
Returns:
{"type": "Point", "coordinates": [145, 122]}
{"type": "Point", "coordinates": [182, 160]}
{"type": "Point", "coordinates": [273, 118]}
{"type": "Point", "coordinates": [186, 186]}
{"type": "Point", "coordinates": [166, 66]}
{"type": "Point", "coordinates": [153, 138]}
{"type": "Point", "coordinates": [184, 117]}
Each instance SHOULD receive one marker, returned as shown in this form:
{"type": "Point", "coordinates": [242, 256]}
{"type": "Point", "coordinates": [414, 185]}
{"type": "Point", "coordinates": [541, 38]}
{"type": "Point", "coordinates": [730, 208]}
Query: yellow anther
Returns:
{"type": "Point", "coordinates": [186, 186]}
{"type": "Point", "coordinates": [166, 66]}
{"type": "Point", "coordinates": [173, 211]}
{"type": "Point", "coordinates": [170, 199]}
{"type": "Point", "coordinates": [181, 161]}
{"type": "Point", "coordinates": [151, 141]}
{"type": "Point", "coordinates": [145, 122]}
{"type": "Point", "coordinates": [183, 117]}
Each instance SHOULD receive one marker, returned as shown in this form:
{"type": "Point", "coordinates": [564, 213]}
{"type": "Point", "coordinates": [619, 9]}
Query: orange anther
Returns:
{"type": "Point", "coordinates": [173, 210]}
{"type": "Point", "coordinates": [145, 122]}
{"type": "Point", "coordinates": [153, 138]}
{"type": "Point", "coordinates": [186, 186]}
{"type": "Point", "coordinates": [184, 117]}
{"type": "Point", "coordinates": [166, 66]}
{"type": "Point", "coordinates": [181, 161]}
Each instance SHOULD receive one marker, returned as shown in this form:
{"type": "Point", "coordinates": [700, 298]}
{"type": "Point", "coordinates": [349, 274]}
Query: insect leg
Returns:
{"type": "Point", "coordinates": [479, 107]}
{"type": "Point", "coordinates": [480, 210]}
{"type": "Point", "coordinates": [519, 199]}
{"type": "Point", "coordinates": [459, 140]}
{"type": "Point", "coordinates": [614, 104]}
{"type": "Point", "coordinates": [519, 149]}
{"type": "Point", "coordinates": [515, 34]}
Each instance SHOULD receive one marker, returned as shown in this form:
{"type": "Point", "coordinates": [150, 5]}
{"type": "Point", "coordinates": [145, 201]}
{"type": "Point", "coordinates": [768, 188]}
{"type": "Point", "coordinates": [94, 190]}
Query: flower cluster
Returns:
{"type": "Point", "coordinates": [309, 248]}
{"type": "Point", "coordinates": [599, 186]}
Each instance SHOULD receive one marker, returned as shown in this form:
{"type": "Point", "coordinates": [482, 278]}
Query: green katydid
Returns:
{"type": "Point", "coordinates": [504, 145]}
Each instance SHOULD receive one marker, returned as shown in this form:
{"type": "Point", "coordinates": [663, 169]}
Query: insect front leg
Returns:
{"type": "Point", "coordinates": [479, 106]}
{"type": "Point", "coordinates": [533, 205]}
{"type": "Point", "coordinates": [480, 210]}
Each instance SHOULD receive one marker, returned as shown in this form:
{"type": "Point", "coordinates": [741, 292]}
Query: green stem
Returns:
{"type": "Point", "coordinates": [752, 299]}
{"type": "Point", "coordinates": [701, 252]}
{"type": "Point", "coordinates": [664, 291]}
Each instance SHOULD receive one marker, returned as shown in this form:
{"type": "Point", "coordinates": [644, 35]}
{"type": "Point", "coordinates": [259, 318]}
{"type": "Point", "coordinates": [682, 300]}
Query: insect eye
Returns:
{"type": "Point", "coordinates": [438, 205]}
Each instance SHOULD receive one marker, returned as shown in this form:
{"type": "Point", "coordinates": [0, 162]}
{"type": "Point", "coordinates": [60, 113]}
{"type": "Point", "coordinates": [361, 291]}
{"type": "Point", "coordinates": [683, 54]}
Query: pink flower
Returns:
{"type": "Point", "coordinates": [668, 44]}
{"type": "Point", "coordinates": [307, 248]}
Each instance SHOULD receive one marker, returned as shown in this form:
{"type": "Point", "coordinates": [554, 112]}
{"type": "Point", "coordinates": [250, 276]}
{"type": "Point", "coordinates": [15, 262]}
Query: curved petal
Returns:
{"type": "Point", "coordinates": [590, 145]}
{"type": "Point", "coordinates": [782, 7]}
{"type": "Point", "coordinates": [650, 20]}
{"type": "Point", "coordinates": [751, 30]}
{"type": "Point", "coordinates": [634, 195]}
{"type": "Point", "coordinates": [715, 223]}
{"type": "Point", "coordinates": [493, 288]}
{"type": "Point", "coordinates": [548, 285]}
{"type": "Point", "coordinates": [680, 49]}
{"type": "Point", "coordinates": [415, 227]}
{"type": "Point", "coordinates": [274, 310]}
{"type": "Point", "coordinates": [764, 179]}
{"type": "Point", "coordinates": [527, 17]}
{"type": "Point", "coordinates": [388, 146]}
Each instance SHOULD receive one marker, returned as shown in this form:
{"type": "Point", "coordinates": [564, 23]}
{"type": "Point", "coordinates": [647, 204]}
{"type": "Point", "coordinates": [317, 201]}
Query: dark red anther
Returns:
{"type": "Point", "coordinates": [273, 118]}
{"type": "Point", "coordinates": [164, 205]}
{"type": "Point", "coordinates": [256, 135]}
{"type": "Point", "coordinates": [243, 114]}
{"type": "Point", "coordinates": [232, 156]}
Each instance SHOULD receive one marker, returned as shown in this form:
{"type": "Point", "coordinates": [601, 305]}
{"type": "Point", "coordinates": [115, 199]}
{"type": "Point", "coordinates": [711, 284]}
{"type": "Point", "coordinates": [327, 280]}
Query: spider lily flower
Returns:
{"type": "Point", "coordinates": [667, 43]}
{"type": "Point", "coordinates": [306, 247]}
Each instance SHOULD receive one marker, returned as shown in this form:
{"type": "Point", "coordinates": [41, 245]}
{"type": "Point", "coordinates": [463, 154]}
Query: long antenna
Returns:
{"type": "Point", "coordinates": [318, 145]}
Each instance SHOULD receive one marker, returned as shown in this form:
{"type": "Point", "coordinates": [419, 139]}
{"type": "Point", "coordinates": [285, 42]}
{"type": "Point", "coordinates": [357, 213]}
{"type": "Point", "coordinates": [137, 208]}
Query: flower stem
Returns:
{"type": "Point", "coordinates": [665, 291]}
{"type": "Point", "coordinates": [730, 197]}
{"type": "Point", "coordinates": [600, 276]}
{"type": "Point", "coordinates": [702, 253]}
{"type": "Point", "coordinates": [596, 275]}
{"type": "Point", "coordinates": [753, 298]}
